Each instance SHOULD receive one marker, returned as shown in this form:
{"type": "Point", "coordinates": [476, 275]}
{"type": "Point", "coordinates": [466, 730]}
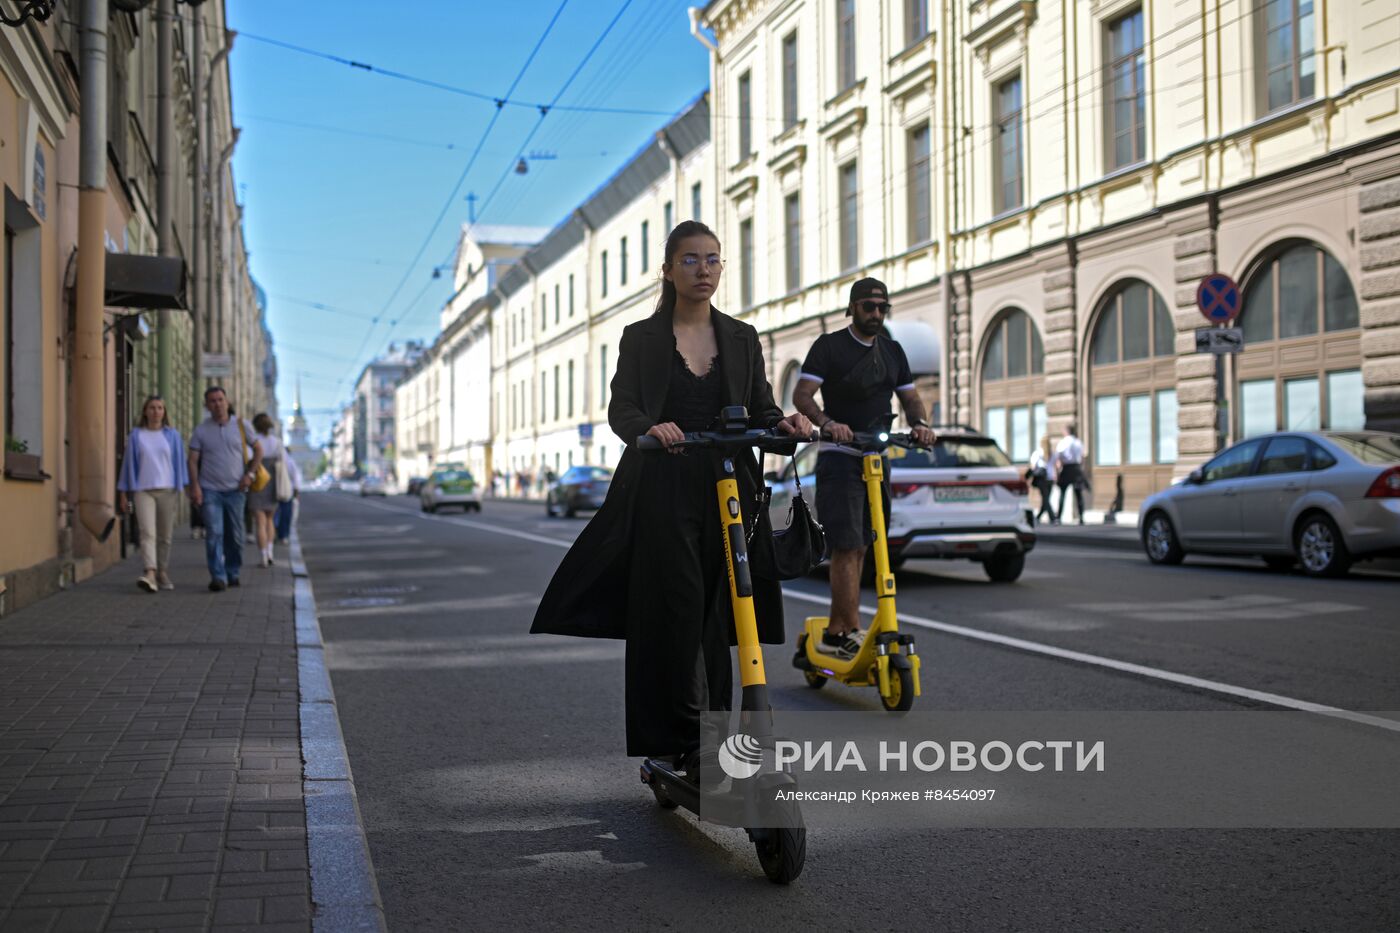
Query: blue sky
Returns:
{"type": "Point", "coordinates": [342, 172]}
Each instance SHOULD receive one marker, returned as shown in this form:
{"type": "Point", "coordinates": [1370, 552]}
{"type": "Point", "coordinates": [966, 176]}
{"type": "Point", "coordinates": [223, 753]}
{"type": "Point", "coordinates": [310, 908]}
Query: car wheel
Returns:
{"type": "Point", "coordinates": [548, 509]}
{"type": "Point", "coordinates": [1320, 547]}
{"type": "Point", "coordinates": [1159, 540]}
{"type": "Point", "coordinates": [476, 506]}
{"type": "Point", "coordinates": [570, 511]}
{"type": "Point", "coordinates": [1004, 568]}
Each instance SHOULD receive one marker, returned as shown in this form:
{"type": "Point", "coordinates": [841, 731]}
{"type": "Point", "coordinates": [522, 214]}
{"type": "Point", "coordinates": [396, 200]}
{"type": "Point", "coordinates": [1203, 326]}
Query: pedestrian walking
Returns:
{"type": "Point", "coordinates": [1041, 474]}
{"type": "Point", "coordinates": [153, 474]}
{"type": "Point", "coordinates": [286, 509]}
{"type": "Point", "coordinates": [263, 502]}
{"type": "Point", "coordinates": [649, 567]}
{"type": "Point", "coordinates": [859, 370]}
{"type": "Point", "coordinates": [225, 458]}
{"type": "Point", "coordinates": [1069, 472]}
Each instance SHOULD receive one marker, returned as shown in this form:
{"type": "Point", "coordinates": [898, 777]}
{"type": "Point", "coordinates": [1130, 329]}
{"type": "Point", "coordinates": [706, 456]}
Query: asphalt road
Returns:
{"type": "Point", "coordinates": [496, 795]}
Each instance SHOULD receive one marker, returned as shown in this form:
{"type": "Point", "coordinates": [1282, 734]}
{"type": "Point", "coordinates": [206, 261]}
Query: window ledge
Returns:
{"type": "Point", "coordinates": [845, 94]}
{"type": "Point", "coordinates": [25, 467]}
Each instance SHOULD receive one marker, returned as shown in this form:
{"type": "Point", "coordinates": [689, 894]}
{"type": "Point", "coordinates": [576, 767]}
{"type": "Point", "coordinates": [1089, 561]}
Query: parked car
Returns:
{"type": "Point", "coordinates": [962, 500]}
{"type": "Point", "coordinates": [349, 485]}
{"type": "Point", "coordinates": [373, 486]}
{"type": "Point", "coordinates": [581, 487]}
{"type": "Point", "coordinates": [414, 485]}
{"type": "Point", "coordinates": [450, 485]}
{"type": "Point", "coordinates": [1322, 499]}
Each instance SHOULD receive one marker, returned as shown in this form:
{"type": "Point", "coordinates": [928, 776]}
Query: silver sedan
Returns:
{"type": "Point", "coordinates": [1321, 499]}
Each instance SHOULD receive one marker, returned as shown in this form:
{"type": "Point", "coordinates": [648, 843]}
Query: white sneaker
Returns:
{"type": "Point", "coordinates": [164, 581]}
{"type": "Point", "coordinates": [844, 646]}
{"type": "Point", "coordinates": [147, 583]}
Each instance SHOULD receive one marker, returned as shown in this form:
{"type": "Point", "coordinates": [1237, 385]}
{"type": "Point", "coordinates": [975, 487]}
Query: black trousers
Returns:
{"type": "Point", "coordinates": [1044, 487]}
{"type": "Point", "coordinates": [1071, 474]}
{"type": "Point", "coordinates": [678, 660]}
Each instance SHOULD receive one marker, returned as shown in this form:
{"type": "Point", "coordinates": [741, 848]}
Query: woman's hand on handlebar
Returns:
{"type": "Point", "coordinates": [667, 433]}
{"type": "Point", "coordinates": [796, 423]}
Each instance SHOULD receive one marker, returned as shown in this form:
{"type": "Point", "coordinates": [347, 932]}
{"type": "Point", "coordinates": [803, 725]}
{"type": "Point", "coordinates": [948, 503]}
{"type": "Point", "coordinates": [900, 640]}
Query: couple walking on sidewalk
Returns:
{"type": "Point", "coordinates": [231, 466]}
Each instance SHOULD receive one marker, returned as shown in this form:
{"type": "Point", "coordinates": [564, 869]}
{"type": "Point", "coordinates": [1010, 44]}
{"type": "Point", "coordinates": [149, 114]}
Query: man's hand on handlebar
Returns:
{"type": "Point", "coordinates": [795, 423]}
{"type": "Point", "coordinates": [667, 433]}
{"type": "Point", "coordinates": [838, 432]}
{"type": "Point", "coordinates": [923, 436]}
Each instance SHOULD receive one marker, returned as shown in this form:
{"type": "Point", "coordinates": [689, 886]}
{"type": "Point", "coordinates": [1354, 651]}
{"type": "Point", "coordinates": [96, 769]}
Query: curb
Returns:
{"type": "Point", "coordinates": [1119, 542]}
{"type": "Point", "coordinates": [344, 893]}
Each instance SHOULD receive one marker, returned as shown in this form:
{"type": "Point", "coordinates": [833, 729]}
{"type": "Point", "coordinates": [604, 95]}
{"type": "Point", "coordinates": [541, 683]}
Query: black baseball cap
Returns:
{"type": "Point", "coordinates": [867, 288]}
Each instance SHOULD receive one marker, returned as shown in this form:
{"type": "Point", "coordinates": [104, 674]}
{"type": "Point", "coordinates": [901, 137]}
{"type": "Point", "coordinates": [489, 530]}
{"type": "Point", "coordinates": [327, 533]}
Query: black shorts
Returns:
{"type": "Point", "coordinates": [843, 508]}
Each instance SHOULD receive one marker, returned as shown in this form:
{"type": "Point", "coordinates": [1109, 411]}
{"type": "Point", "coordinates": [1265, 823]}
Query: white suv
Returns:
{"type": "Point", "coordinates": [962, 500]}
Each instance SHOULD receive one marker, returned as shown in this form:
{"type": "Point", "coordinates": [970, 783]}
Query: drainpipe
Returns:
{"type": "Point", "coordinates": [89, 377]}
{"type": "Point", "coordinates": [197, 305]}
{"type": "Point", "coordinates": [165, 174]}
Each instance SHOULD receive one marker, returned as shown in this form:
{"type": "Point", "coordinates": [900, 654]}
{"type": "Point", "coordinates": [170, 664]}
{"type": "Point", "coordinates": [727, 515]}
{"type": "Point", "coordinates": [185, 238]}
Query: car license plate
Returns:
{"type": "Point", "coordinates": [961, 494]}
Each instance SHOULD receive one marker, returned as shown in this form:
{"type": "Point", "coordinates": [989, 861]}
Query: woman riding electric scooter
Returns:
{"type": "Point", "coordinates": [649, 567]}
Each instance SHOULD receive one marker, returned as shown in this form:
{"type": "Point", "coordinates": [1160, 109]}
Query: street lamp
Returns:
{"type": "Point", "coordinates": [40, 10]}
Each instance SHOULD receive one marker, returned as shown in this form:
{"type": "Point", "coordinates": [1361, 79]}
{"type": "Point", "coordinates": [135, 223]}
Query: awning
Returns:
{"type": "Point", "coordinates": [921, 345]}
{"type": "Point", "coordinates": [146, 282]}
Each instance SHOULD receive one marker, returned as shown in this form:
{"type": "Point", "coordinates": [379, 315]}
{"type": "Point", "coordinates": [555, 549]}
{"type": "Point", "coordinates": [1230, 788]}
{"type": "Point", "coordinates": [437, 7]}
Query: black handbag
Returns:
{"type": "Point", "coordinates": [799, 548]}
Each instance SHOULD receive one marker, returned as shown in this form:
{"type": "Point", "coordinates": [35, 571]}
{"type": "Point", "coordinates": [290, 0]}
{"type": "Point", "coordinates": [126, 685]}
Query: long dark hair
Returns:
{"type": "Point", "coordinates": [686, 228]}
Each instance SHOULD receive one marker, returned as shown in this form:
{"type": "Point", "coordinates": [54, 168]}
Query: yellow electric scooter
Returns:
{"type": "Point", "coordinates": [886, 660]}
{"type": "Point", "coordinates": [776, 831]}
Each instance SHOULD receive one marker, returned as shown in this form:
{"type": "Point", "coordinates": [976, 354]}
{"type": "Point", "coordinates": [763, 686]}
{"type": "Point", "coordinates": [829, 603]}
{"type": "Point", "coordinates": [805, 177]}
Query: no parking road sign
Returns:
{"type": "Point", "coordinates": [1218, 297]}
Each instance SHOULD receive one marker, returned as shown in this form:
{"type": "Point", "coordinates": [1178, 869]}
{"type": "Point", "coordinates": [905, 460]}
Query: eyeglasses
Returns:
{"type": "Point", "coordinates": [870, 306]}
{"type": "Point", "coordinates": [692, 263]}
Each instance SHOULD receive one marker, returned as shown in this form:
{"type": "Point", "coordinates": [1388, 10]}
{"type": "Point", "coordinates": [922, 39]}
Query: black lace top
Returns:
{"type": "Point", "coordinates": [692, 401]}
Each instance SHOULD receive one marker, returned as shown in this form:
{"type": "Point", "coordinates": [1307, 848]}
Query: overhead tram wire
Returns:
{"type": "Point", "coordinates": [452, 197]}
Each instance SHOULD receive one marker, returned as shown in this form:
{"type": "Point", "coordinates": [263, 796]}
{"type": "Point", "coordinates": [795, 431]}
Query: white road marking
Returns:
{"type": "Point", "coordinates": [1032, 647]}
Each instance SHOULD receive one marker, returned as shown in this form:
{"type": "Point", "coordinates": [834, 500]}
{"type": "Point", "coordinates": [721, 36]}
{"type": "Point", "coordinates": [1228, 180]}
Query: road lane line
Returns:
{"type": "Point", "coordinates": [427, 517]}
{"type": "Point", "coordinates": [1034, 647]}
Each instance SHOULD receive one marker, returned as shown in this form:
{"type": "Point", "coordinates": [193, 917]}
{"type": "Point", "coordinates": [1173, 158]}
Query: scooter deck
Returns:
{"type": "Point", "coordinates": [857, 672]}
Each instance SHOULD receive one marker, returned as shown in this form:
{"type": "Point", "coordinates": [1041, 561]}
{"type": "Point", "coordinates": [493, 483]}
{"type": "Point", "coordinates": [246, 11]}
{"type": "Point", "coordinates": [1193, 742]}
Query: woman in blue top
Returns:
{"type": "Point", "coordinates": [154, 473]}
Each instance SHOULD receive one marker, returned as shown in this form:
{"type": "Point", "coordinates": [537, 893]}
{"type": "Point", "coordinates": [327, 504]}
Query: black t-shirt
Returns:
{"type": "Point", "coordinates": [834, 356]}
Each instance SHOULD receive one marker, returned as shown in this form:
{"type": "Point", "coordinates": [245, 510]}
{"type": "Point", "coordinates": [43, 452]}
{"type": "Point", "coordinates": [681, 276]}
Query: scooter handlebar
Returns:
{"type": "Point", "coordinates": [766, 439]}
{"type": "Point", "coordinates": [879, 440]}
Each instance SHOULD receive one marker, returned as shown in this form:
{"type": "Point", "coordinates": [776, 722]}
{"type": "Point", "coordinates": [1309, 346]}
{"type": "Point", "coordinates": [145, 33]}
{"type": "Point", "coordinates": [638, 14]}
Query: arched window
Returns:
{"type": "Point", "coordinates": [1013, 384]}
{"type": "Point", "coordinates": [1301, 366]}
{"type": "Point", "coordinates": [1132, 391]}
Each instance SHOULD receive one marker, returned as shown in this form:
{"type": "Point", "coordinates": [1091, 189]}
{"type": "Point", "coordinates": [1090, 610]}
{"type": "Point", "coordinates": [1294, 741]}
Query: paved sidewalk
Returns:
{"type": "Point", "coordinates": [151, 756]}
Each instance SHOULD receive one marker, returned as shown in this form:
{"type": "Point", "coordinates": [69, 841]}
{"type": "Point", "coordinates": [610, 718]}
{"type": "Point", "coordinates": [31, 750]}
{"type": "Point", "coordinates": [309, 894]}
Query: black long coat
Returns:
{"type": "Point", "coordinates": [588, 594]}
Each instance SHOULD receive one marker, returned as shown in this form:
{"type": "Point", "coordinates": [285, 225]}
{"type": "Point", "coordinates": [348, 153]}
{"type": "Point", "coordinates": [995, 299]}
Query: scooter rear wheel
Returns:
{"type": "Point", "coordinates": [782, 853]}
{"type": "Point", "coordinates": [901, 698]}
{"type": "Point", "coordinates": [814, 680]}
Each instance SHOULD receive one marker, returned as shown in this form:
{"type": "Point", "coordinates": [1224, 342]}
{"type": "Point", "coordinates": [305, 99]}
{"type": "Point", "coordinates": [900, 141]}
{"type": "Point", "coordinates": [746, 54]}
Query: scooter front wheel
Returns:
{"type": "Point", "coordinates": [782, 853]}
{"type": "Point", "coordinates": [814, 680]}
{"type": "Point", "coordinates": [901, 698]}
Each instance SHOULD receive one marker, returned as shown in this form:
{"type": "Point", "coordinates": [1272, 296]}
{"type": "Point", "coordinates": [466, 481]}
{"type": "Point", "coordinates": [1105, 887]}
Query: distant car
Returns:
{"type": "Point", "coordinates": [415, 485]}
{"type": "Point", "coordinates": [962, 500]}
{"type": "Point", "coordinates": [350, 485]}
{"type": "Point", "coordinates": [450, 485]}
{"type": "Point", "coordinates": [373, 486]}
{"type": "Point", "coordinates": [1321, 499]}
{"type": "Point", "coordinates": [580, 488]}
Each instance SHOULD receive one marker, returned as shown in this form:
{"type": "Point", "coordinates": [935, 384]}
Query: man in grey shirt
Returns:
{"type": "Point", "coordinates": [224, 458]}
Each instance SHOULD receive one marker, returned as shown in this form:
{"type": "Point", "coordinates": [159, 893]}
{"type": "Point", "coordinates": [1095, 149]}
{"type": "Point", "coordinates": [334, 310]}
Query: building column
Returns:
{"type": "Point", "coordinates": [1199, 433]}
{"type": "Point", "coordinates": [1380, 302]}
{"type": "Point", "coordinates": [1061, 341]}
{"type": "Point", "coordinates": [960, 344]}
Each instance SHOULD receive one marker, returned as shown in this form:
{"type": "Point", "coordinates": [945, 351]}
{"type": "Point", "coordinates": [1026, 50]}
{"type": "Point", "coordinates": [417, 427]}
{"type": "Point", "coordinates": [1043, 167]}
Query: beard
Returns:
{"type": "Point", "coordinates": [869, 327]}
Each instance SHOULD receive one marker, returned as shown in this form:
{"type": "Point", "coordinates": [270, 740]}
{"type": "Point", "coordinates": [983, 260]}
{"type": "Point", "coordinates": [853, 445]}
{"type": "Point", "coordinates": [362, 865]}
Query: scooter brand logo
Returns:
{"type": "Point", "coordinates": [740, 756]}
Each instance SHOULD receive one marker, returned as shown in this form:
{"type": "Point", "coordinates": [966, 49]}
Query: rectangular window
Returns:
{"type": "Point", "coordinates": [920, 185]}
{"type": "Point", "coordinates": [1258, 414]}
{"type": "Point", "coordinates": [790, 80]}
{"type": "Point", "coordinates": [570, 411]}
{"type": "Point", "coordinates": [995, 425]}
{"type": "Point", "coordinates": [622, 262]}
{"type": "Point", "coordinates": [745, 263]}
{"type": "Point", "coordinates": [1297, 293]}
{"type": "Point", "coordinates": [745, 116]}
{"type": "Point", "coordinates": [849, 220]}
{"type": "Point", "coordinates": [646, 245]}
{"type": "Point", "coordinates": [1345, 393]}
{"type": "Point", "coordinates": [1139, 429]}
{"type": "Point", "coordinates": [1286, 36]}
{"type": "Point", "coordinates": [845, 44]}
{"type": "Point", "coordinates": [1108, 430]}
{"type": "Point", "coordinates": [571, 294]}
{"type": "Point", "coordinates": [605, 273]}
{"type": "Point", "coordinates": [1166, 426]}
{"type": "Point", "coordinates": [668, 218]}
{"type": "Point", "coordinates": [915, 21]}
{"type": "Point", "coordinates": [1020, 450]}
{"type": "Point", "coordinates": [1127, 99]}
{"type": "Point", "coordinates": [1040, 421]}
{"type": "Point", "coordinates": [695, 201]}
{"type": "Point", "coordinates": [544, 397]}
{"type": "Point", "coordinates": [544, 311]}
{"type": "Point", "coordinates": [556, 303]}
{"type": "Point", "coordinates": [603, 373]}
{"type": "Point", "coordinates": [556, 393]}
{"type": "Point", "coordinates": [1009, 162]}
{"type": "Point", "coordinates": [792, 240]}
{"type": "Point", "coordinates": [1302, 404]}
